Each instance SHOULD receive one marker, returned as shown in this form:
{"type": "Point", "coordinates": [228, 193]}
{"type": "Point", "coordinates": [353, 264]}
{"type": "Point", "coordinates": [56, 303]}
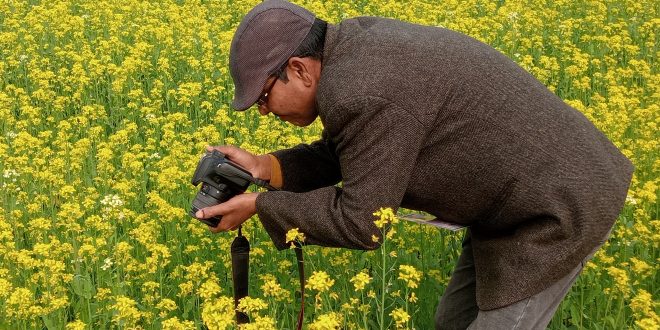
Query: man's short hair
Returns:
{"type": "Point", "coordinates": [311, 46]}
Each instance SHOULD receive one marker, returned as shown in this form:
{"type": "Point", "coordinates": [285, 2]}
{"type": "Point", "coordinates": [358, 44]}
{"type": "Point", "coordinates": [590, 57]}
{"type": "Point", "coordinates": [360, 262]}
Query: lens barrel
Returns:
{"type": "Point", "coordinates": [209, 196]}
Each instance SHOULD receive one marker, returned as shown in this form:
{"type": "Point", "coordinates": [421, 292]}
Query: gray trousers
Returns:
{"type": "Point", "coordinates": [458, 306]}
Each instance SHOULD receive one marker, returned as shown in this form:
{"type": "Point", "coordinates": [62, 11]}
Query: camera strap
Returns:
{"type": "Point", "coordinates": [299, 259]}
{"type": "Point", "coordinates": [240, 270]}
{"type": "Point", "coordinates": [240, 263]}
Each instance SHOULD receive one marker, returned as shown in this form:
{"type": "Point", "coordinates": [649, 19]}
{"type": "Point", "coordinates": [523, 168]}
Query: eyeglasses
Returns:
{"type": "Point", "coordinates": [263, 99]}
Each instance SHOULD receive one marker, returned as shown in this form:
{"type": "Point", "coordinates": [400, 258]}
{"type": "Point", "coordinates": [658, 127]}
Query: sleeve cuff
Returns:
{"type": "Point", "coordinates": [275, 172]}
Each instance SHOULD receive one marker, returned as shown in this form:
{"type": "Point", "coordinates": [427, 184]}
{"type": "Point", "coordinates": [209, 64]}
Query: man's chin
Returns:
{"type": "Point", "coordinates": [300, 122]}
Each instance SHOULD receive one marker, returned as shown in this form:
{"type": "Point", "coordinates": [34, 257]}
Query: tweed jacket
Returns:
{"type": "Point", "coordinates": [429, 119]}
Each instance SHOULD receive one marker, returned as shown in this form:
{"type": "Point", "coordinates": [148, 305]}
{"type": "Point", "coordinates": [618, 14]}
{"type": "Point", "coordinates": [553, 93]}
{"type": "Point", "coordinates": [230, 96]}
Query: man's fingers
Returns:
{"type": "Point", "coordinates": [230, 151]}
{"type": "Point", "coordinates": [211, 211]}
{"type": "Point", "coordinates": [224, 225]}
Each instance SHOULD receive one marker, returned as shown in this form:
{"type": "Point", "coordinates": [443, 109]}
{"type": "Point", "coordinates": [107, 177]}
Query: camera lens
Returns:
{"type": "Point", "coordinates": [202, 200]}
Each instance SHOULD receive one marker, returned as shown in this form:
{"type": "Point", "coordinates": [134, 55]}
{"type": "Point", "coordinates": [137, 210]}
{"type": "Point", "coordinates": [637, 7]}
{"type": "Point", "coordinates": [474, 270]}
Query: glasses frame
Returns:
{"type": "Point", "coordinates": [263, 99]}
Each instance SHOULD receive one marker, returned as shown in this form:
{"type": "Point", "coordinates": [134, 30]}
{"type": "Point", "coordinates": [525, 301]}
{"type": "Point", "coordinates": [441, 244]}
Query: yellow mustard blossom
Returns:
{"type": "Point", "coordinates": [271, 288]}
{"type": "Point", "coordinates": [648, 323]}
{"type": "Point", "coordinates": [400, 317]}
{"type": "Point", "coordinates": [385, 216]}
{"type": "Point", "coordinates": [621, 280]}
{"type": "Point", "coordinates": [320, 281]}
{"type": "Point", "coordinates": [249, 305]}
{"type": "Point", "coordinates": [293, 236]}
{"type": "Point", "coordinates": [175, 324]}
{"type": "Point", "coordinates": [209, 289]}
{"type": "Point", "coordinates": [410, 275]}
{"type": "Point", "coordinates": [165, 306]}
{"type": "Point", "coordinates": [360, 280]}
{"type": "Point", "coordinates": [329, 321]}
{"type": "Point", "coordinates": [106, 105]}
{"type": "Point", "coordinates": [259, 323]}
{"type": "Point", "coordinates": [127, 313]}
{"type": "Point", "coordinates": [219, 314]}
{"type": "Point", "coordinates": [20, 304]}
{"type": "Point", "coordinates": [642, 305]}
{"type": "Point", "coordinates": [76, 325]}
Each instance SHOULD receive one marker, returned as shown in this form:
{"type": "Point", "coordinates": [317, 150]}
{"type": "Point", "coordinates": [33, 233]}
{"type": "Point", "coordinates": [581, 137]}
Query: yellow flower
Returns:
{"type": "Point", "coordinates": [165, 306]}
{"type": "Point", "coordinates": [186, 288]}
{"type": "Point", "coordinates": [259, 323]}
{"type": "Point", "coordinates": [249, 305]}
{"type": "Point", "coordinates": [648, 323]}
{"type": "Point", "coordinates": [410, 275]}
{"type": "Point", "coordinates": [385, 216]}
{"type": "Point", "coordinates": [400, 317]}
{"type": "Point", "coordinates": [20, 303]}
{"type": "Point", "coordinates": [126, 312]}
{"type": "Point", "coordinates": [642, 304]}
{"type": "Point", "coordinates": [271, 288]}
{"type": "Point", "coordinates": [293, 236]}
{"type": "Point", "coordinates": [360, 280]}
{"type": "Point", "coordinates": [209, 289]}
{"type": "Point", "coordinates": [76, 325]}
{"type": "Point", "coordinates": [320, 281]}
{"type": "Point", "coordinates": [175, 324]}
{"type": "Point", "coordinates": [620, 280]}
{"type": "Point", "coordinates": [329, 321]}
{"type": "Point", "coordinates": [218, 314]}
{"type": "Point", "coordinates": [640, 267]}
{"type": "Point", "coordinates": [102, 293]}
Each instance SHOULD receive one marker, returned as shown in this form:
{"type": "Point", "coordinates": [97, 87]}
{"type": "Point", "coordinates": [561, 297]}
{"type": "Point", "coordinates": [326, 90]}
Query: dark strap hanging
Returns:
{"type": "Point", "coordinates": [301, 276]}
{"type": "Point", "coordinates": [240, 266]}
{"type": "Point", "coordinates": [240, 269]}
{"type": "Point", "coordinates": [240, 260]}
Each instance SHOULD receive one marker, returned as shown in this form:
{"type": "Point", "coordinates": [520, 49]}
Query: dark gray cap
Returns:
{"type": "Point", "coordinates": [266, 38]}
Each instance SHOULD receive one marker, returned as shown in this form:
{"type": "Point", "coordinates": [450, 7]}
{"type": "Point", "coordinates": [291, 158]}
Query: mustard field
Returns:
{"type": "Point", "coordinates": [106, 107]}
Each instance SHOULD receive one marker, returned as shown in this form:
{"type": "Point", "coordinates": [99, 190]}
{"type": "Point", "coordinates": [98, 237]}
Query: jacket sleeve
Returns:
{"type": "Point", "coordinates": [377, 145]}
{"type": "Point", "coordinates": [306, 167]}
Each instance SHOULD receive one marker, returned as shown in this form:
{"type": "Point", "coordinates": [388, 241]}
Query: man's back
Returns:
{"type": "Point", "coordinates": [536, 181]}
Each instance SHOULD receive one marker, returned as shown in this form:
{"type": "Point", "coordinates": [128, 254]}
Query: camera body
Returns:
{"type": "Point", "coordinates": [221, 180]}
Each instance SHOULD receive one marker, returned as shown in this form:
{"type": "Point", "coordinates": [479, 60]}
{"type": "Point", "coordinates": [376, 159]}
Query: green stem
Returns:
{"type": "Point", "coordinates": [364, 315]}
{"type": "Point", "coordinates": [382, 292]}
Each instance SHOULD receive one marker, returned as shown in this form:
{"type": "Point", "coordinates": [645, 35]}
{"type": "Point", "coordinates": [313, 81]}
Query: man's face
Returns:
{"type": "Point", "coordinates": [294, 100]}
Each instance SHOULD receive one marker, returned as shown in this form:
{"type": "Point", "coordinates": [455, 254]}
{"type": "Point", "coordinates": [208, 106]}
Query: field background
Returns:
{"type": "Point", "coordinates": [106, 106]}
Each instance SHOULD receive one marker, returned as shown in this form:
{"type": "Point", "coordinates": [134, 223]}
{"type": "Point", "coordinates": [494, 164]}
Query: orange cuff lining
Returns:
{"type": "Point", "coordinates": [275, 172]}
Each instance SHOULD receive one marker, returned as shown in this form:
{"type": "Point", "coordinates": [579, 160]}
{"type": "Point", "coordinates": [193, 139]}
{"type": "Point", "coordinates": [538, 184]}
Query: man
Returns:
{"type": "Point", "coordinates": [432, 120]}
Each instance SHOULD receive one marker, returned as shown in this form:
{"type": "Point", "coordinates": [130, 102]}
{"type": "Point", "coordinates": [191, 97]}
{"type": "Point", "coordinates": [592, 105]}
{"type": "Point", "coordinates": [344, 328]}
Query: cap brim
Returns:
{"type": "Point", "coordinates": [245, 98]}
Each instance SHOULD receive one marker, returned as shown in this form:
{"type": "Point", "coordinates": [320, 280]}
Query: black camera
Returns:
{"type": "Point", "coordinates": [221, 180]}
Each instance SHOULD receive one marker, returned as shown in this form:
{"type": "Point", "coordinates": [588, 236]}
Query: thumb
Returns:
{"type": "Point", "coordinates": [211, 211]}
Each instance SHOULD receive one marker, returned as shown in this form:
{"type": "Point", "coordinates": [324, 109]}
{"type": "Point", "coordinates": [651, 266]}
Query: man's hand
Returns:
{"type": "Point", "coordinates": [234, 211]}
{"type": "Point", "coordinates": [258, 166]}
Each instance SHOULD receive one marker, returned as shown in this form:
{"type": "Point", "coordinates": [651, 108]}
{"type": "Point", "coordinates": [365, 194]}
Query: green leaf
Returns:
{"type": "Point", "coordinates": [49, 322]}
{"type": "Point", "coordinates": [188, 307]}
{"type": "Point", "coordinates": [575, 315]}
{"type": "Point", "coordinates": [82, 286]}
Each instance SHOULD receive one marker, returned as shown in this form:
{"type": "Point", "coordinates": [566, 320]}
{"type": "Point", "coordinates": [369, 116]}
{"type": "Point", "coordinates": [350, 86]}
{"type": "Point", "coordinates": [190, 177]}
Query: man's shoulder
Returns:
{"type": "Point", "coordinates": [370, 30]}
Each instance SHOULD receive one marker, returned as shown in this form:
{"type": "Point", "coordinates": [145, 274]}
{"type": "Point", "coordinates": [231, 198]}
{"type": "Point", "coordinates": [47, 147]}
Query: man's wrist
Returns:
{"type": "Point", "coordinates": [264, 167]}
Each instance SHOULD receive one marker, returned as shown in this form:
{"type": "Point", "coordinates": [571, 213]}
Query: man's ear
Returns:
{"type": "Point", "coordinates": [299, 67]}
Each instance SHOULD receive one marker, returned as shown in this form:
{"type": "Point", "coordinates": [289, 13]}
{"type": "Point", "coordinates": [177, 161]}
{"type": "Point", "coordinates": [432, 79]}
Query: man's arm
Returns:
{"type": "Point", "coordinates": [377, 153]}
{"type": "Point", "coordinates": [307, 167]}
